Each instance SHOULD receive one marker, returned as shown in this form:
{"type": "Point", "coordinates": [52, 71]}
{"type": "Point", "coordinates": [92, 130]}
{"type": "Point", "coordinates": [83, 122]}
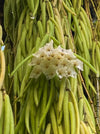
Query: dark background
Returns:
{"type": "Point", "coordinates": [1, 11]}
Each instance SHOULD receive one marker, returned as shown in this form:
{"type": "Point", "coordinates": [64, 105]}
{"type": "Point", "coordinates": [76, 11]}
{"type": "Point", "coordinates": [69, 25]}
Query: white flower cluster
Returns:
{"type": "Point", "coordinates": [51, 62]}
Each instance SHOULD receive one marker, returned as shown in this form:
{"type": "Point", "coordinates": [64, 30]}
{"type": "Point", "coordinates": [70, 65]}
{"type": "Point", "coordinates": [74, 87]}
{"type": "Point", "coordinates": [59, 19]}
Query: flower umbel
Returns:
{"type": "Point", "coordinates": [54, 61]}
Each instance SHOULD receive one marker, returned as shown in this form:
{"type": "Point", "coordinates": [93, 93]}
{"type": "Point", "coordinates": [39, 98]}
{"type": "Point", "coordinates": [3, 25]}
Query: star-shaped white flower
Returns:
{"type": "Point", "coordinates": [55, 61]}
